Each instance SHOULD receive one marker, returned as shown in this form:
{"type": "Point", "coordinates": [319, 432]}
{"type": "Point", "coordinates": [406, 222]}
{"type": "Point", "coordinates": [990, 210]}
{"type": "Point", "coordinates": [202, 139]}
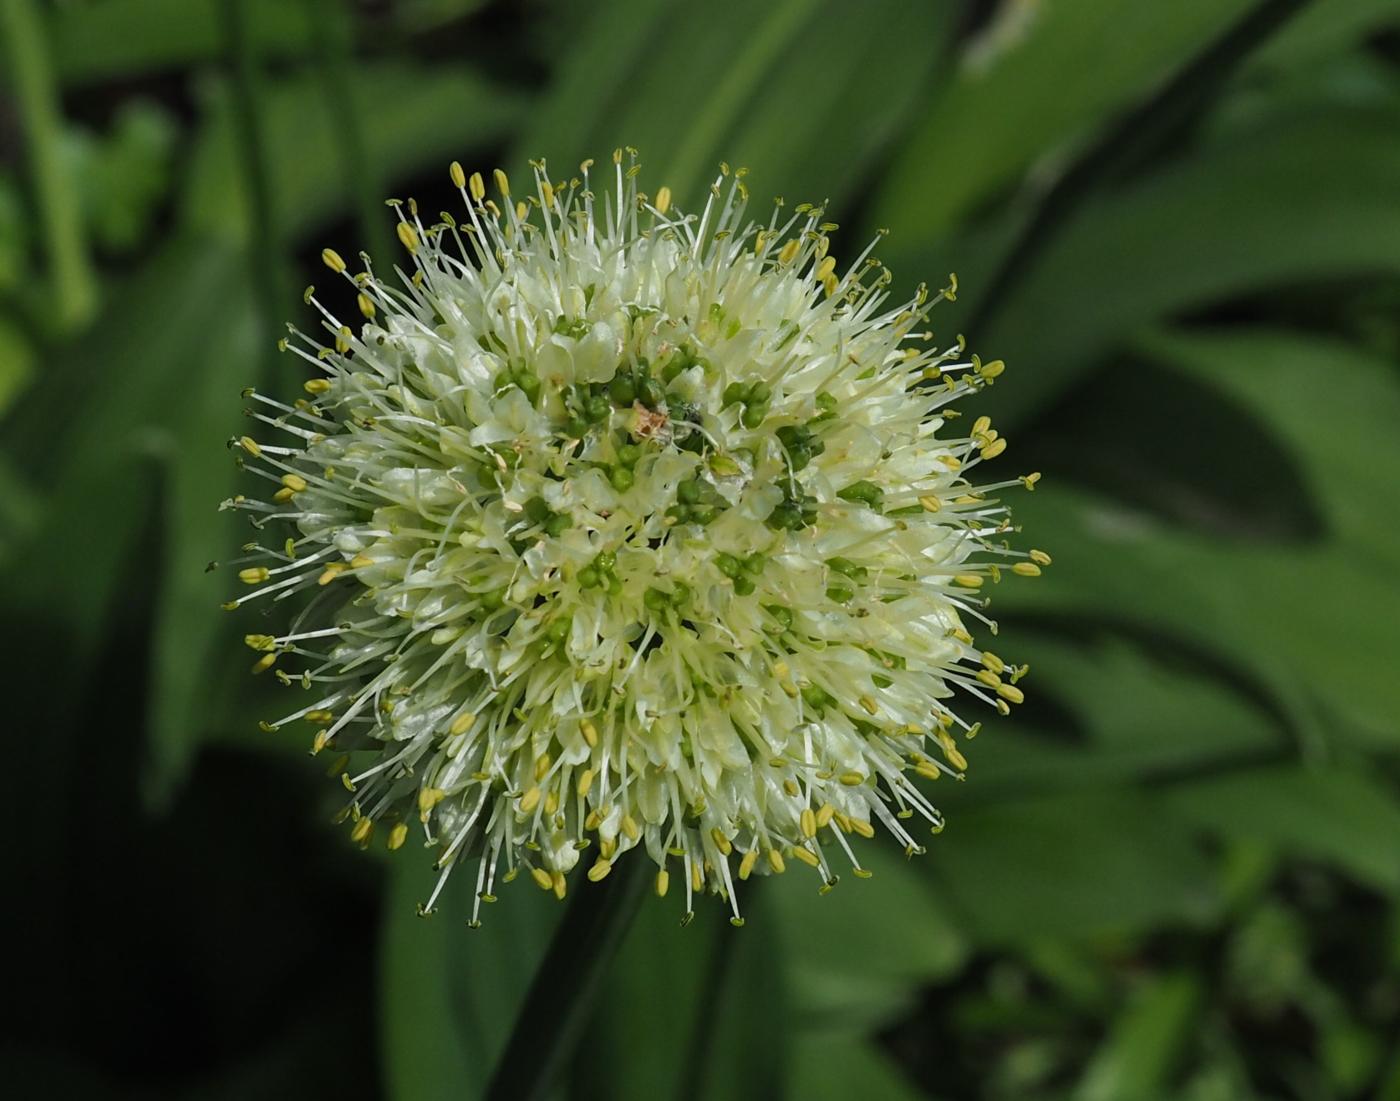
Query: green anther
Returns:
{"type": "Point", "coordinates": [656, 600]}
{"type": "Point", "coordinates": [530, 385]}
{"type": "Point", "coordinates": [863, 491]}
{"type": "Point", "coordinates": [753, 415]}
{"type": "Point", "coordinates": [735, 393]}
{"type": "Point", "coordinates": [621, 479]}
{"type": "Point", "coordinates": [754, 563]}
{"type": "Point", "coordinates": [628, 454]}
{"type": "Point", "coordinates": [839, 592]}
{"type": "Point", "coordinates": [703, 514]}
{"type": "Point", "coordinates": [536, 510]}
{"type": "Point", "coordinates": [606, 561]}
{"type": "Point", "coordinates": [744, 585]}
{"type": "Point", "coordinates": [678, 514]}
{"type": "Point", "coordinates": [678, 362]}
{"type": "Point", "coordinates": [688, 492]}
{"type": "Point", "coordinates": [559, 628]}
{"type": "Point", "coordinates": [575, 428]}
{"type": "Point", "coordinates": [622, 390]}
{"type": "Point", "coordinates": [597, 408]}
{"type": "Point", "coordinates": [588, 578]}
{"type": "Point", "coordinates": [800, 456]}
{"type": "Point", "coordinates": [727, 564]}
{"type": "Point", "coordinates": [781, 614]}
{"type": "Point", "coordinates": [493, 599]}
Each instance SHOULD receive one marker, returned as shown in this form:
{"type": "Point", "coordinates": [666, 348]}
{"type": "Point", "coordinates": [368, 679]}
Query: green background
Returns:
{"type": "Point", "coordinates": [1175, 873]}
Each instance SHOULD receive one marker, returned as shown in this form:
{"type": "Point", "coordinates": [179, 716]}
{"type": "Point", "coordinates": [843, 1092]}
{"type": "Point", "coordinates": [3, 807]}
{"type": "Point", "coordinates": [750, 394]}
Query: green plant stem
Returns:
{"type": "Point", "coordinates": [265, 239]}
{"type": "Point", "coordinates": [566, 985]}
{"type": "Point", "coordinates": [694, 1073]}
{"type": "Point", "coordinates": [55, 192]}
{"type": "Point", "coordinates": [1190, 90]}
{"type": "Point", "coordinates": [335, 37]}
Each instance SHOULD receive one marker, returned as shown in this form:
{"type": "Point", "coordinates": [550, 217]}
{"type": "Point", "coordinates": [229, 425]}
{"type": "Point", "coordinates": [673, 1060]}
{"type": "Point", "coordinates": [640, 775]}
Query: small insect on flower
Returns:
{"type": "Point", "coordinates": [617, 528]}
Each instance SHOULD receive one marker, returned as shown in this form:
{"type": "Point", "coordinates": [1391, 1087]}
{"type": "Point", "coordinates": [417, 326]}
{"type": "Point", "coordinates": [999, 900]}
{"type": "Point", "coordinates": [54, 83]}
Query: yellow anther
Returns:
{"type": "Point", "coordinates": [1011, 693]}
{"type": "Point", "coordinates": [600, 870]}
{"type": "Point", "coordinates": [363, 828]}
{"type": "Point", "coordinates": [542, 764]}
{"type": "Point", "coordinates": [788, 252]}
{"type": "Point", "coordinates": [663, 200]}
{"type": "Point", "coordinates": [930, 503]}
{"type": "Point", "coordinates": [1040, 558]}
{"type": "Point", "coordinates": [824, 815]}
{"type": "Point", "coordinates": [843, 822]}
{"type": "Point", "coordinates": [295, 482]}
{"type": "Point", "coordinates": [551, 803]}
{"type": "Point", "coordinates": [663, 883]}
{"type": "Point", "coordinates": [250, 445]}
{"type": "Point", "coordinates": [502, 183]}
{"type": "Point", "coordinates": [331, 572]}
{"type": "Point", "coordinates": [397, 836]}
{"type": "Point", "coordinates": [593, 821]}
{"type": "Point", "coordinates": [459, 177]}
{"type": "Point", "coordinates": [1026, 569]}
{"type": "Point", "coordinates": [259, 642]}
{"type": "Point", "coordinates": [529, 800]}
{"type": "Point", "coordinates": [321, 740]}
{"type": "Point", "coordinates": [790, 787]}
{"type": "Point", "coordinates": [809, 822]}
{"type": "Point", "coordinates": [980, 426]}
{"type": "Point", "coordinates": [543, 878]}
{"type": "Point", "coordinates": [332, 260]}
{"type": "Point", "coordinates": [630, 827]}
{"type": "Point", "coordinates": [993, 449]}
{"type": "Point", "coordinates": [722, 843]}
{"type": "Point", "coordinates": [862, 828]}
{"type": "Point", "coordinates": [961, 635]}
{"type": "Point", "coordinates": [319, 716]}
{"type": "Point", "coordinates": [807, 856]}
{"type": "Point", "coordinates": [955, 757]}
{"type": "Point", "coordinates": [989, 678]}
{"type": "Point", "coordinates": [585, 781]}
{"type": "Point", "coordinates": [366, 306]}
{"type": "Point", "coordinates": [952, 462]}
{"type": "Point", "coordinates": [746, 864]}
{"type": "Point", "coordinates": [968, 580]}
{"type": "Point", "coordinates": [852, 778]}
{"type": "Point", "coordinates": [992, 369]}
{"type": "Point", "coordinates": [522, 212]}
{"type": "Point", "coordinates": [825, 268]}
{"type": "Point", "coordinates": [928, 770]}
{"type": "Point", "coordinates": [992, 662]}
{"type": "Point", "coordinates": [775, 861]}
{"type": "Point", "coordinates": [559, 884]}
{"type": "Point", "coordinates": [316, 385]}
{"type": "Point", "coordinates": [478, 187]}
{"type": "Point", "coordinates": [462, 723]}
{"type": "Point", "coordinates": [361, 561]}
{"type": "Point", "coordinates": [253, 575]}
{"type": "Point", "coordinates": [590, 732]}
{"type": "Point", "coordinates": [1003, 708]}
{"type": "Point", "coordinates": [697, 875]}
{"type": "Point", "coordinates": [870, 706]}
{"type": "Point", "coordinates": [409, 236]}
{"type": "Point", "coordinates": [264, 663]}
{"type": "Point", "coordinates": [428, 798]}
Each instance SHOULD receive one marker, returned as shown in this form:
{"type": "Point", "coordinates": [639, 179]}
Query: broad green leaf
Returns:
{"type": "Point", "coordinates": [415, 119]}
{"type": "Point", "coordinates": [805, 92]}
{"type": "Point", "coordinates": [449, 994]}
{"type": "Point", "coordinates": [839, 1065]}
{"type": "Point", "coordinates": [1146, 1042]}
{"type": "Point", "coordinates": [114, 38]}
{"type": "Point", "coordinates": [1078, 866]}
{"type": "Point", "coordinates": [896, 937]}
{"type": "Point", "coordinates": [1299, 617]}
{"type": "Point", "coordinates": [1305, 198]}
{"type": "Point", "coordinates": [1332, 811]}
{"type": "Point", "coordinates": [1323, 29]}
{"type": "Point", "coordinates": [1040, 77]}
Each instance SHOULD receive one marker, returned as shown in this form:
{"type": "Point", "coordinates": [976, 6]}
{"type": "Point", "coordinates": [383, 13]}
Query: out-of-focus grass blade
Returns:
{"type": "Point", "coordinates": [1302, 614]}
{"type": "Point", "coordinates": [1305, 198]}
{"type": "Point", "coordinates": [449, 994]}
{"type": "Point", "coordinates": [1325, 29]}
{"type": "Point", "coordinates": [414, 118]}
{"type": "Point", "coordinates": [1332, 812]}
{"type": "Point", "coordinates": [1146, 1043]}
{"type": "Point", "coordinates": [1046, 73]}
{"type": "Point", "coordinates": [16, 362]}
{"type": "Point", "coordinates": [805, 92]}
{"type": "Point", "coordinates": [840, 1065]}
{"type": "Point", "coordinates": [119, 38]}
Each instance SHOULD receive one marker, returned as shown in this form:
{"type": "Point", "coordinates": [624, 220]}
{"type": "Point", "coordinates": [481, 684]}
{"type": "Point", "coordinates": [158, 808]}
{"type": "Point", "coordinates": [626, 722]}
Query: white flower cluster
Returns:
{"type": "Point", "coordinates": [624, 528]}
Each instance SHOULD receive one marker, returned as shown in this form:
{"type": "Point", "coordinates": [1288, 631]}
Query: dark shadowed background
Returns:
{"type": "Point", "coordinates": [1173, 874]}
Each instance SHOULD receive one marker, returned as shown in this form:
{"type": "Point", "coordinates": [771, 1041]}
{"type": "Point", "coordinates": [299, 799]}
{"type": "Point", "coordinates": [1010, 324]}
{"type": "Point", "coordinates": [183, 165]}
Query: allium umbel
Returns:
{"type": "Point", "coordinates": [619, 529]}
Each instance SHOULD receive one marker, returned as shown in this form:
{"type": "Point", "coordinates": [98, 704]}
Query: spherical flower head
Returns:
{"type": "Point", "coordinates": [616, 528]}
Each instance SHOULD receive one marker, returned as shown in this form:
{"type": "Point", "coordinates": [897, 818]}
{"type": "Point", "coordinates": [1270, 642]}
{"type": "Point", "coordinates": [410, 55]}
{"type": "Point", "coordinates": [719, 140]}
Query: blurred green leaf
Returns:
{"type": "Point", "coordinates": [1324, 29]}
{"type": "Point", "coordinates": [839, 1065]}
{"type": "Point", "coordinates": [415, 118]}
{"type": "Point", "coordinates": [1016, 100]}
{"type": "Point", "coordinates": [125, 174]}
{"type": "Point", "coordinates": [1077, 866]}
{"type": "Point", "coordinates": [449, 994]}
{"type": "Point", "coordinates": [1334, 813]}
{"type": "Point", "coordinates": [16, 362]}
{"type": "Point", "coordinates": [1146, 1043]}
{"type": "Point", "coordinates": [96, 41]}
{"type": "Point", "coordinates": [789, 88]}
{"type": "Point", "coordinates": [1298, 616]}
{"type": "Point", "coordinates": [1307, 197]}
